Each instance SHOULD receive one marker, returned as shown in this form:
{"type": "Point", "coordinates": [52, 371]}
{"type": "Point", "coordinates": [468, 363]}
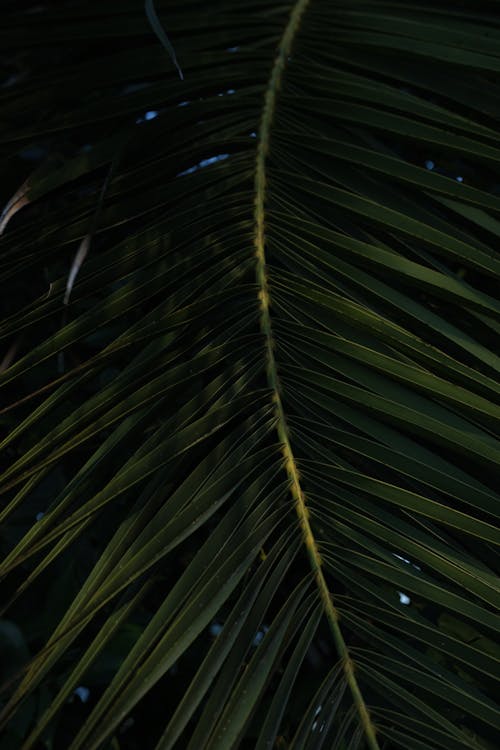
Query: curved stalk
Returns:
{"type": "Point", "coordinates": [264, 136]}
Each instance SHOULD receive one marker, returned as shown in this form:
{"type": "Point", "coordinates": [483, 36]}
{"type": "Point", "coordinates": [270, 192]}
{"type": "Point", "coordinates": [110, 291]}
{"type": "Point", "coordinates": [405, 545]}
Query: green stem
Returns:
{"type": "Point", "coordinates": [264, 136]}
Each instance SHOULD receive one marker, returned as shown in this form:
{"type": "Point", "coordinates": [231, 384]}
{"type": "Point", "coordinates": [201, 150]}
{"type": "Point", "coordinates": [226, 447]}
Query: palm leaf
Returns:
{"type": "Point", "coordinates": [250, 391]}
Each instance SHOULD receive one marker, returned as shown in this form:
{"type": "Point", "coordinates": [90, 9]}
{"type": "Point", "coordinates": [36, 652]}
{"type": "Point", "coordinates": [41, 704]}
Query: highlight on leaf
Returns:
{"type": "Point", "coordinates": [160, 33]}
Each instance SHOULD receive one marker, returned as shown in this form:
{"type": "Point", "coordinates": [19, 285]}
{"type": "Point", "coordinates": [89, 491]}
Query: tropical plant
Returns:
{"type": "Point", "coordinates": [250, 393]}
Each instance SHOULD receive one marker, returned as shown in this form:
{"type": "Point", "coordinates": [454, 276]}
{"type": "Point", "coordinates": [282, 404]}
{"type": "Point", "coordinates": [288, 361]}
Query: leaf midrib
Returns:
{"type": "Point", "coordinates": [264, 136]}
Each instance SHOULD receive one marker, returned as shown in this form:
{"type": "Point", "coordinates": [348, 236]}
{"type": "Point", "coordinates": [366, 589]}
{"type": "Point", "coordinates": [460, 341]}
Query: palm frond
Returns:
{"type": "Point", "coordinates": [250, 393]}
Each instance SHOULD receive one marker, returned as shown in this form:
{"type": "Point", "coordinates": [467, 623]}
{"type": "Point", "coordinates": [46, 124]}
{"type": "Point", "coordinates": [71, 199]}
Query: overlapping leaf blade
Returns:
{"type": "Point", "coordinates": [214, 432]}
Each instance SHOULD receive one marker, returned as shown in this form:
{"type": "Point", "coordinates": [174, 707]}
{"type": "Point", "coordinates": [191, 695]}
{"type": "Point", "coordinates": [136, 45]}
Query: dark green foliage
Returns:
{"type": "Point", "coordinates": [249, 390]}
